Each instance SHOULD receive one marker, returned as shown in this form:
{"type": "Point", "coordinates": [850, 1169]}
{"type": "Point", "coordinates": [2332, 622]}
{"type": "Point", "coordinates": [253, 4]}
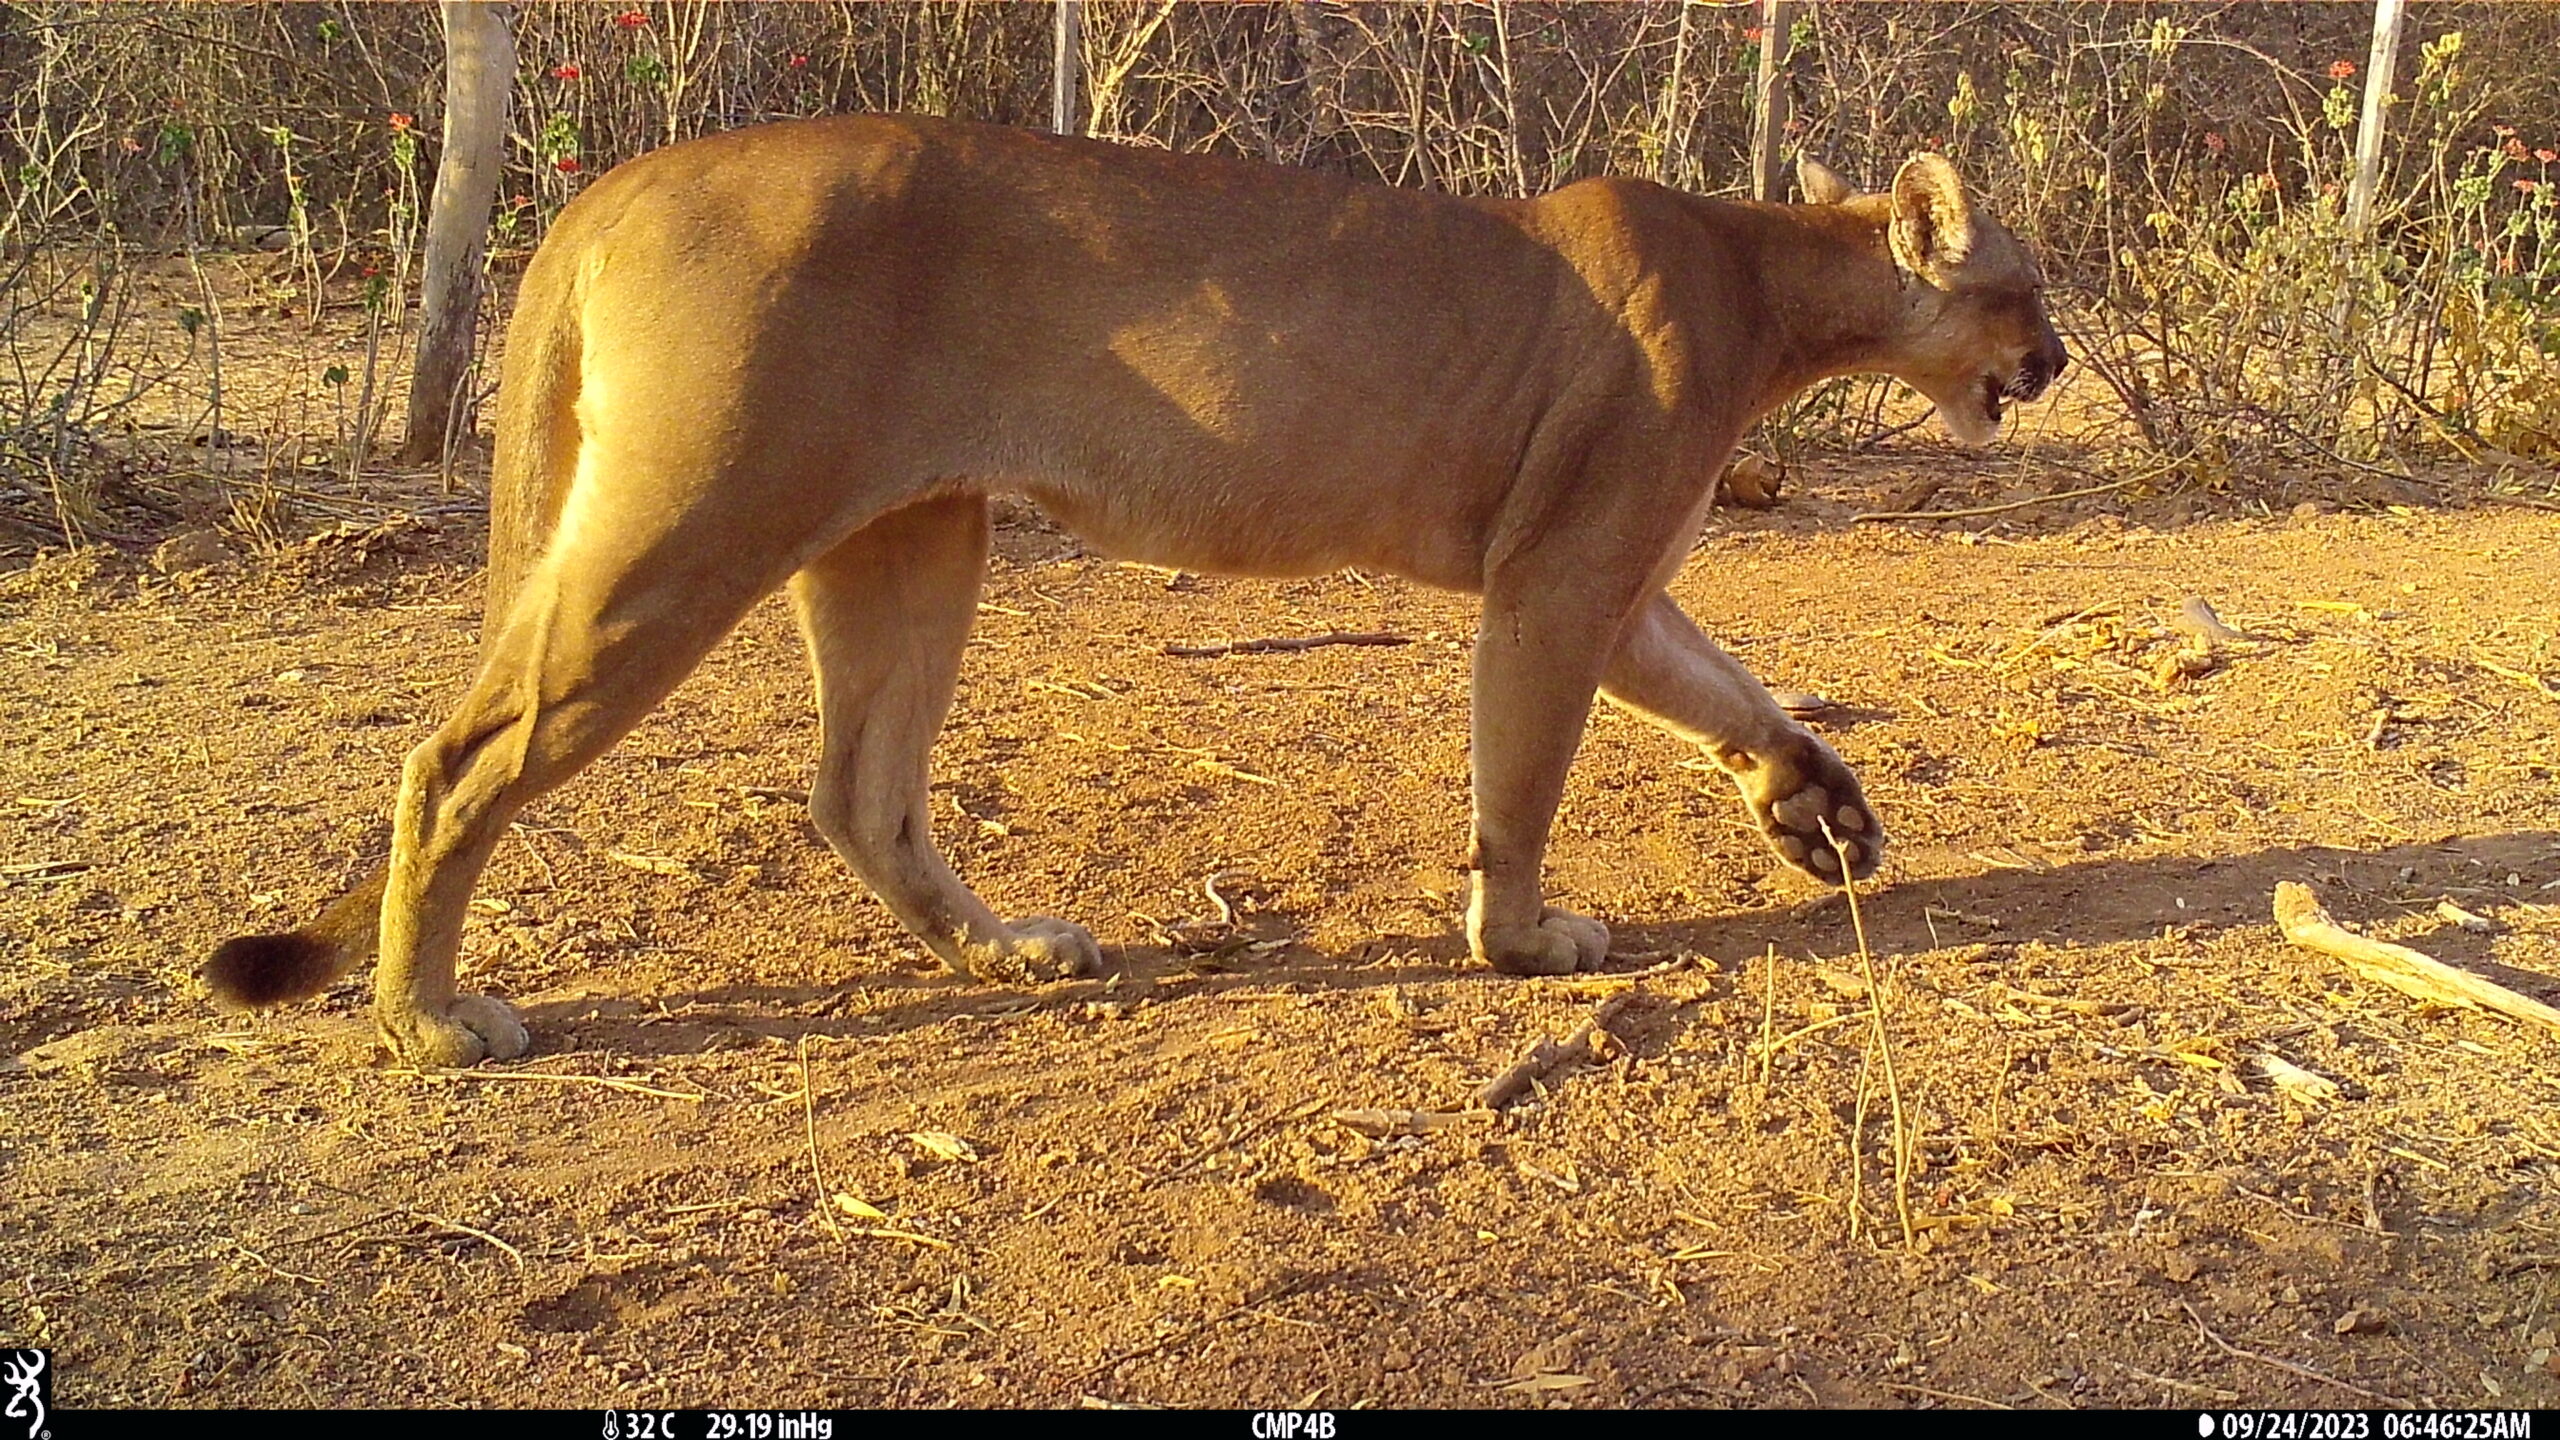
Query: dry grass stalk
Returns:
{"type": "Point", "coordinates": [1768, 1016]}
{"type": "Point", "coordinates": [809, 1120]}
{"type": "Point", "coordinates": [1883, 1049]}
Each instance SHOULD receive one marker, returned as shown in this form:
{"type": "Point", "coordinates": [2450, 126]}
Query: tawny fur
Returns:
{"type": "Point", "coordinates": [806, 353]}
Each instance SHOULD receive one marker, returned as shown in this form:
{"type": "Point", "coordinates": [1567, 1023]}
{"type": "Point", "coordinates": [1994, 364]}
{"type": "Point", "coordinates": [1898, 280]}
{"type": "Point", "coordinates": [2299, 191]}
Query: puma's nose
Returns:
{"type": "Point", "coordinates": [2043, 367]}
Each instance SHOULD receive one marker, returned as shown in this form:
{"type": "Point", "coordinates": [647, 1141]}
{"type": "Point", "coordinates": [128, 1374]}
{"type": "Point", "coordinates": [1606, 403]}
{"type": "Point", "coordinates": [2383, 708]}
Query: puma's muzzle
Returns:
{"type": "Point", "coordinates": [2042, 367]}
{"type": "Point", "coordinates": [2034, 375]}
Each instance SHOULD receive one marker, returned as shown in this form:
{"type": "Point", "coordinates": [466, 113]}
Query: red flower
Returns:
{"type": "Point", "coordinates": [2546, 156]}
{"type": "Point", "coordinates": [567, 165]}
{"type": "Point", "coordinates": [400, 121]}
{"type": "Point", "coordinates": [798, 62]}
{"type": "Point", "coordinates": [2214, 142]}
{"type": "Point", "coordinates": [2502, 131]}
{"type": "Point", "coordinates": [520, 202]}
{"type": "Point", "coordinates": [2528, 186]}
{"type": "Point", "coordinates": [1751, 33]}
{"type": "Point", "coordinates": [372, 270]}
{"type": "Point", "coordinates": [564, 72]}
{"type": "Point", "coordinates": [2341, 69]}
{"type": "Point", "coordinates": [2515, 148]}
{"type": "Point", "coordinates": [632, 20]}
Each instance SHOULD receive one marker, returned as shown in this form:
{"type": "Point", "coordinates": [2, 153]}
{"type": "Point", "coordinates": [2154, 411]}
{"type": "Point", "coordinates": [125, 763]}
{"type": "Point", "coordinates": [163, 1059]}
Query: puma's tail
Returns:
{"type": "Point", "coordinates": [537, 453]}
{"type": "Point", "coordinates": [256, 971]}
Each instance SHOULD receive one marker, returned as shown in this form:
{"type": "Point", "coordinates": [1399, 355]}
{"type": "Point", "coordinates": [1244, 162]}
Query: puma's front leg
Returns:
{"type": "Point", "coordinates": [1536, 666]}
{"type": "Point", "coordinates": [1670, 672]}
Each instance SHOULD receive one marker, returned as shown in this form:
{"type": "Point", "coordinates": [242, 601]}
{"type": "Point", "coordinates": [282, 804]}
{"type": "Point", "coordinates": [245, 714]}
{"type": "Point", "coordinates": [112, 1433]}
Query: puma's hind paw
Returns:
{"type": "Point", "coordinates": [1793, 790]}
{"type": "Point", "coordinates": [472, 1028]}
{"type": "Point", "coordinates": [1039, 949]}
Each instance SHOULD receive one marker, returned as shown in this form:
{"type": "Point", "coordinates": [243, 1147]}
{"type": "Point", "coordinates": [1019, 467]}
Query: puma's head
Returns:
{"type": "Point", "coordinates": [1972, 331]}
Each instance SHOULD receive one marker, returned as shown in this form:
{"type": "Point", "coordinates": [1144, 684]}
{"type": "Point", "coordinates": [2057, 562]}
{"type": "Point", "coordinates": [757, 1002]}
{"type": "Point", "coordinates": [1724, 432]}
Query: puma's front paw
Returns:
{"type": "Point", "coordinates": [472, 1028]}
{"type": "Point", "coordinates": [1040, 949]}
{"type": "Point", "coordinates": [1559, 944]}
{"type": "Point", "coordinates": [1795, 787]}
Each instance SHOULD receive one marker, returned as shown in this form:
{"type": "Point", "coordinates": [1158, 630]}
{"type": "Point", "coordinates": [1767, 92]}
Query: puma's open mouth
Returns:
{"type": "Point", "coordinates": [2029, 383]}
{"type": "Point", "coordinates": [2026, 385]}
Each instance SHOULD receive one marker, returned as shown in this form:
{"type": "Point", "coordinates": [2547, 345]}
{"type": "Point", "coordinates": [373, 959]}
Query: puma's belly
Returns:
{"type": "Point", "coordinates": [1274, 532]}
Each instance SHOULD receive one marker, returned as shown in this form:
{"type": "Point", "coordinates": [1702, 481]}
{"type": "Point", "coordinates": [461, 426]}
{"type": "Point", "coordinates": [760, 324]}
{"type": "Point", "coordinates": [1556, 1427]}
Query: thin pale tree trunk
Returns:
{"type": "Point", "coordinates": [2379, 65]}
{"type": "Point", "coordinates": [479, 86]}
{"type": "Point", "coordinates": [1066, 53]}
{"type": "Point", "coordinates": [1777, 19]}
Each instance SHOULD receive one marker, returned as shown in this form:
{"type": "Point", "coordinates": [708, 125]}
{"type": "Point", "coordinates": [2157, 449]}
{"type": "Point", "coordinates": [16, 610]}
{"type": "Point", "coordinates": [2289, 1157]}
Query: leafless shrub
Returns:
{"type": "Point", "coordinates": [2174, 163]}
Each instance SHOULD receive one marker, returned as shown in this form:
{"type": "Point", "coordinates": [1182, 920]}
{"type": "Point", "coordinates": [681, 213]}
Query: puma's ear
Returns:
{"type": "Point", "coordinates": [1932, 221]}
{"type": "Point", "coordinates": [1821, 184]}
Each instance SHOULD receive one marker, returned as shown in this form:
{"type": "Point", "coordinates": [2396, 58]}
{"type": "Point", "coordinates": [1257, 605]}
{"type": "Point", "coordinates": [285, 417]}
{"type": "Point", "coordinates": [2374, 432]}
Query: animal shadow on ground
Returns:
{"type": "Point", "coordinates": [2097, 902]}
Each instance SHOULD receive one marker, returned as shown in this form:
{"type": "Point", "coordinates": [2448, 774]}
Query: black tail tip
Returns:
{"type": "Point", "coordinates": [256, 971]}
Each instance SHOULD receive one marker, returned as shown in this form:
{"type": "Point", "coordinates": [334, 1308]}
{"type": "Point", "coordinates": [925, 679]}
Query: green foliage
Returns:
{"type": "Point", "coordinates": [559, 139]}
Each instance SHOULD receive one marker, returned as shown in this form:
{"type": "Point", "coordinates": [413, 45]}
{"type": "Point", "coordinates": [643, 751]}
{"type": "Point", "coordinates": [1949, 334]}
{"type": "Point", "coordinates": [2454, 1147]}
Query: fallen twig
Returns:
{"type": "Point", "coordinates": [2287, 1366]}
{"type": "Point", "coordinates": [1384, 1124]}
{"type": "Point", "coordinates": [1546, 1057]}
{"type": "Point", "coordinates": [610, 1082]}
{"type": "Point", "coordinates": [1905, 428]}
{"type": "Point", "coordinates": [1999, 509]}
{"type": "Point", "coordinates": [1907, 1388]}
{"type": "Point", "coordinates": [908, 1236]}
{"type": "Point", "coordinates": [2299, 916]}
{"type": "Point", "coordinates": [2526, 678]}
{"type": "Point", "coordinates": [1281, 1291]}
{"type": "Point", "coordinates": [2225, 1397]}
{"type": "Point", "coordinates": [414, 1212]}
{"type": "Point", "coordinates": [44, 871]}
{"type": "Point", "coordinates": [1285, 643]}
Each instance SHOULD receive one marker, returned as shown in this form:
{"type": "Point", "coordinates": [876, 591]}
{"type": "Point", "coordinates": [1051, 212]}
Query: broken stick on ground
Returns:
{"type": "Point", "coordinates": [1290, 642]}
{"type": "Point", "coordinates": [1546, 1057]}
{"type": "Point", "coordinates": [2299, 915]}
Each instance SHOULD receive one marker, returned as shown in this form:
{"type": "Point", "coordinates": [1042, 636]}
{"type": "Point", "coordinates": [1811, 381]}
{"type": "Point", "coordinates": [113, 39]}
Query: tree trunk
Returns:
{"type": "Point", "coordinates": [2379, 64]}
{"type": "Point", "coordinates": [479, 86]}
{"type": "Point", "coordinates": [1769, 110]}
{"type": "Point", "coordinates": [1066, 54]}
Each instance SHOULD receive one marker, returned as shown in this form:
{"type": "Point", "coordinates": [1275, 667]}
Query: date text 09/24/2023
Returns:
{"type": "Point", "coordinates": [2365, 1425]}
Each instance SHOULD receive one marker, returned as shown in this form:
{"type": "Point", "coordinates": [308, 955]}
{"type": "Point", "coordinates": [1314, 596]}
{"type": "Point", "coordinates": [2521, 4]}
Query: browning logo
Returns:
{"type": "Point", "coordinates": [26, 1380]}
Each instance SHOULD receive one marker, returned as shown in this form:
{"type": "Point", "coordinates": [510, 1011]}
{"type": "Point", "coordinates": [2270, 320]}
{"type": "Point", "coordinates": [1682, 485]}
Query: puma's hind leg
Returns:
{"type": "Point", "coordinates": [610, 621]}
{"type": "Point", "coordinates": [1667, 670]}
{"type": "Point", "coordinates": [886, 614]}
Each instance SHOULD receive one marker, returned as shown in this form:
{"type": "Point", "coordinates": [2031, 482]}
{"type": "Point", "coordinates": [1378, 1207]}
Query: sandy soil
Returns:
{"type": "Point", "coordinates": [708, 1184]}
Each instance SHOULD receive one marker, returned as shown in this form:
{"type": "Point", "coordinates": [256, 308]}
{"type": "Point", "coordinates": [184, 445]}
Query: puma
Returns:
{"type": "Point", "coordinates": [807, 353]}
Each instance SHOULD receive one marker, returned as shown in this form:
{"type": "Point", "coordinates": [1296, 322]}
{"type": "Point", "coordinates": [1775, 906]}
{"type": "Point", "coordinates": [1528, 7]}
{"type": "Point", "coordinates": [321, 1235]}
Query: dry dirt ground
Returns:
{"type": "Point", "coordinates": [708, 1186]}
